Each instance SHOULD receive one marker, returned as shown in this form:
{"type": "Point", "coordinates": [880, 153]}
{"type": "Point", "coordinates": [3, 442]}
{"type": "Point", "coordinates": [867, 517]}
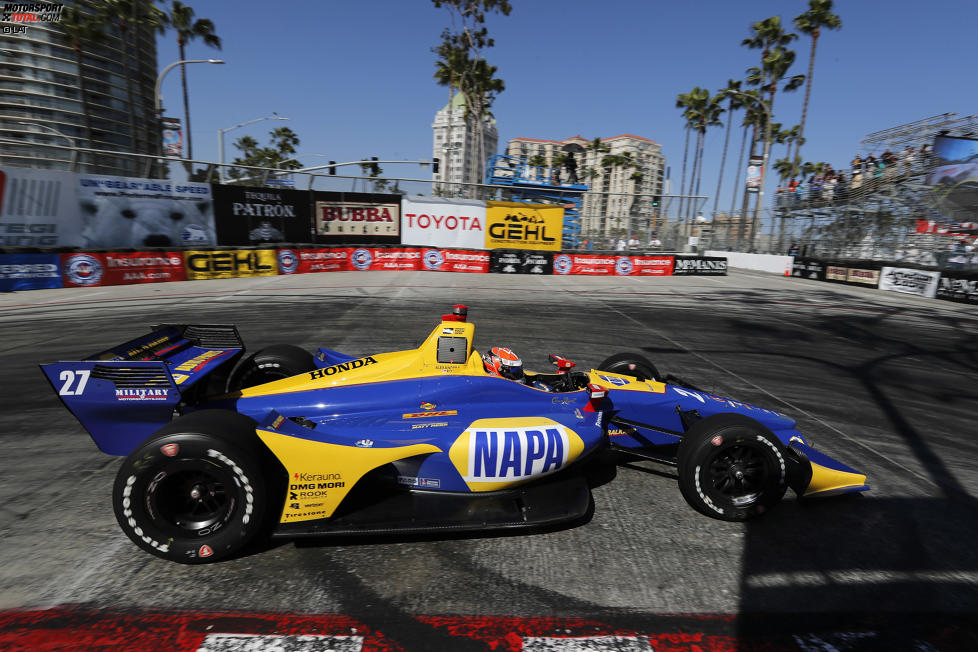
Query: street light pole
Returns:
{"type": "Point", "coordinates": [220, 141]}
{"type": "Point", "coordinates": [74, 150]}
{"type": "Point", "coordinates": [159, 82]}
{"type": "Point", "coordinates": [764, 157]}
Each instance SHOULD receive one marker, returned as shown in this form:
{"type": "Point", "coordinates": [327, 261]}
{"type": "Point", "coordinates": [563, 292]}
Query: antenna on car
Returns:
{"type": "Point", "coordinates": [459, 313]}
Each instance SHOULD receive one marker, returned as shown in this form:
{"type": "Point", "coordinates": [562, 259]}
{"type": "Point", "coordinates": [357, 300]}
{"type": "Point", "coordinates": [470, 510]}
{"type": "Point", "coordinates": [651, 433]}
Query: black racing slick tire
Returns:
{"type": "Point", "coordinates": [271, 363]}
{"type": "Point", "coordinates": [194, 492]}
{"type": "Point", "coordinates": [631, 364]}
{"type": "Point", "coordinates": [731, 467]}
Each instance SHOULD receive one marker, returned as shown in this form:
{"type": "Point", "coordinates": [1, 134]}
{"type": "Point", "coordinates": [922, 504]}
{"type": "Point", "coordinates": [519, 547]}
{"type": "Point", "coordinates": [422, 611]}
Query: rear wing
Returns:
{"type": "Point", "coordinates": [124, 394]}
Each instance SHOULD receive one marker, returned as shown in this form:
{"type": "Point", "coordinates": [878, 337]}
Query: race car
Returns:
{"type": "Point", "coordinates": [221, 448]}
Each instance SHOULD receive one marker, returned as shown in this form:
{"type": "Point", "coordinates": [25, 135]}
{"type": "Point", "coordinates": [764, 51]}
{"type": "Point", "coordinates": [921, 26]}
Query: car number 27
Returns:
{"type": "Point", "coordinates": [77, 378]}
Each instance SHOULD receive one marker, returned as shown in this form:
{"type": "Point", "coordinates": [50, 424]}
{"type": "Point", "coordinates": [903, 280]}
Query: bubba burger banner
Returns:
{"type": "Point", "coordinates": [91, 270]}
{"type": "Point", "coordinates": [515, 225]}
{"type": "Point", "coordinates": [355, 217]}
{"type": "Point", "coordinates": [437, 222]}
{"type": "Point", "coordinates": [235, 263]}
{"type": "Point", "coordinates": [455, 260]}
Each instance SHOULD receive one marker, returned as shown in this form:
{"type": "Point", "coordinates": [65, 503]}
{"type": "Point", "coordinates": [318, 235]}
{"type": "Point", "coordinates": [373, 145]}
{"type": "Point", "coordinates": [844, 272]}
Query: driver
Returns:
{"type": "Point", "coordinates": [501, 361]}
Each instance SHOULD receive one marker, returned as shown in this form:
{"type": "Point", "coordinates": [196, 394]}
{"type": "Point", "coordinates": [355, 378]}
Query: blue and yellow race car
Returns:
{"type": "Point", "coordinates": [221, 448]}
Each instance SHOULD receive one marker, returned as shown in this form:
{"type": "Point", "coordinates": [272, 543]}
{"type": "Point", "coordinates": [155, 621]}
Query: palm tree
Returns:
{"type": "Point", "coordinates": [597, 148]}
{"type": "Point", "coordinates": [734, 101]}
{"type": "Point", "coordinates": [132, 15]}
{"type": "Point", "coordinates": [684, 101]}
{"type": "Point", "coordinates": [80, 28]}
{"type": "Point", "coordinates": [706, 114]}
{"type": "Point", "coordinates": [181, 19]}
{"type": "Point", "coordinates": [811, 22]}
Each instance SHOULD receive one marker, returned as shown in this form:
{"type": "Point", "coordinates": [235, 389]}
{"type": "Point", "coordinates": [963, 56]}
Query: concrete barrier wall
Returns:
{"type": "Point", "coordinates": [760, 262]}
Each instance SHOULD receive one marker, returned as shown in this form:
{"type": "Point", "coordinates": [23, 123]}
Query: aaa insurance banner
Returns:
{"type": "Point", "coordinates": [442, 223]}
{"type": "Point", "coordinates": [515, 225]}
{"type": "Point", "coordinates": [97, 269]}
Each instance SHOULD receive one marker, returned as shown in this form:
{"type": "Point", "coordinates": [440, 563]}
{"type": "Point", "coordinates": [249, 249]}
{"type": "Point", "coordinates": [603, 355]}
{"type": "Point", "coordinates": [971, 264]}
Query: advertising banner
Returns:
{"type": "Point", "coordinates": [910, 281]}
{"type": "Point", "coordinates": [808, 268]}
{"type": "Point", "coordinates": [255, 216]}
{"type": "Point", "coordinates": [516, 225]}
{"type": "Point", "coordinates": [439, 223]}
{"type": "Point", "coordinates": [377, 259]}
{"type": "Point", "coordinates": [754, 168]}
{"type": "Point", "coordinates": [357, 217]}
{"type": "Point", "coordinates": [644, 266]}
{"type": "Point", "coordinates": [307, 261]}
{"type": "Point", "coordinates": [699, 266]}
{"type": "Point", "coordinates": [201, 265]}
{"type": "Point", "coordinates": [130, 212]}
{"type": "Point", "coordinates": [863, 276]}
{"type": "Point", "coordinates": [963, 289]}
{"type": "Point", "coordinates": [172, 137]}
{"type": "Point", "coordinates": [586, 264]}
{"type": "Point", "coordinates": [521, 262]}
{"type": "Point", "coordinates": [84, 270]}
{"type": "Point", "coordinates": [836, 273]}
{"type": "Point", "coordinates": [455, 260]}
{"type": "Point", "coordinates": [38, 208]}
{"type": "Point", "coordinates": [29, 272]}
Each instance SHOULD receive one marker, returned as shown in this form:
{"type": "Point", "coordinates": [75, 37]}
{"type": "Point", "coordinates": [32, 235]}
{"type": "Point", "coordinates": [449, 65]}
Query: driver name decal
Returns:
{"type": "Point", "coordinates": [493, 453]}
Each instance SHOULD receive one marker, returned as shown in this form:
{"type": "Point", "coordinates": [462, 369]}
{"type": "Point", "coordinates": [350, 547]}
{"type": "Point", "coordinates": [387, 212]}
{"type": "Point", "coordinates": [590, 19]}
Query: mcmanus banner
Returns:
{"type": "Point", "coordinates": [699, 266]}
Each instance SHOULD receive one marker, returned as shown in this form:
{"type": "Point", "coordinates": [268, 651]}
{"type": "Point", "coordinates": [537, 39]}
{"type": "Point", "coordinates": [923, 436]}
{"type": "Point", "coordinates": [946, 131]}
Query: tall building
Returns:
{"type": "Point", "coordinates": [42, 81]}
{"type": "Point", "coordinates": [621, 198]}
{"type": "Point", "coordinates": [456, 144]}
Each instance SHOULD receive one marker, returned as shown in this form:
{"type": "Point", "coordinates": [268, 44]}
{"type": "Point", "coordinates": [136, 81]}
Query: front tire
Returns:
{"type": "Point", "coordinates": [193, 492]}
{"type": "Point", "coordinates": [631, 364]}
{"type": "Point", "coordinates": [731, 467]}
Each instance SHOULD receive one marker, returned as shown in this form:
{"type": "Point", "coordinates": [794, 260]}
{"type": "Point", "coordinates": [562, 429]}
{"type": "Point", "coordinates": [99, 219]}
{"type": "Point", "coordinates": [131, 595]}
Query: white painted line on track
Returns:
{"type": "Point", "coordinates": [587, 644]}
{"type": "Point", "coordinates": [280, 643]}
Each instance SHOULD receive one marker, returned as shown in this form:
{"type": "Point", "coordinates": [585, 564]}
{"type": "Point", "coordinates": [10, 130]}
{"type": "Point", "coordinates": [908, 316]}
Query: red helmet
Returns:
{"type": "Point", "coordinates": [502, 362]}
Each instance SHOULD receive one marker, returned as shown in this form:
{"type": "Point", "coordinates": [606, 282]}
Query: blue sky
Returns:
{"type": "Point", "coordinates": [355, 77]}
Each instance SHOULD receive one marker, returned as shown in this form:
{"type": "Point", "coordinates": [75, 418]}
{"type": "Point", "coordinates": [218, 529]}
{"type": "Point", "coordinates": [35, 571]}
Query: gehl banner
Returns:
{"type": "Point", "coordinates": [234, 263]}
{"type": "Point", "coordinates": [515, 225]}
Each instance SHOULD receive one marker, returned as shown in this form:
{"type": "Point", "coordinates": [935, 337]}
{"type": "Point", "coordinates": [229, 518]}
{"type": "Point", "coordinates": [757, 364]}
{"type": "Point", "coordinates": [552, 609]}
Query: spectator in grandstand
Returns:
{"type": "Point", "coordinates": [857, 164]}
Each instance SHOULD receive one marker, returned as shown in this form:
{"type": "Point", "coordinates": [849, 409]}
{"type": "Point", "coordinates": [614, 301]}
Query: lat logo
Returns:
{"type": "Point", "coordinates": [170, 450]}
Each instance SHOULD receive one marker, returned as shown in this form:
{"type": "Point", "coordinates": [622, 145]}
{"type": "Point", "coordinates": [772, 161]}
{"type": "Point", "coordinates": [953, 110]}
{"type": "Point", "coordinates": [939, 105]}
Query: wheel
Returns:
{"type": "Point", "coordinates": [631, 364]}
{"type": "Point", "coordinates": [731, 467]}
{"type": "Point", "coordinates": [271, 363]}
{"type": "Point", "coordinates": [194, 491]}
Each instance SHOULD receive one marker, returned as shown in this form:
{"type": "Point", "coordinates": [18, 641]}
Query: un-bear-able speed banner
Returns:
{"type": "Point", "coordinates": [437, 223]}
{"type": "Point", "coordinates": [515, 225]}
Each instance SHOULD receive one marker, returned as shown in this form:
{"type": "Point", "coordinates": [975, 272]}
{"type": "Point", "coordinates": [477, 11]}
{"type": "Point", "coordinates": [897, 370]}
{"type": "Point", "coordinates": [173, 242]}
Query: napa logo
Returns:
{"type": "Point", "coordinates": [495, 453]}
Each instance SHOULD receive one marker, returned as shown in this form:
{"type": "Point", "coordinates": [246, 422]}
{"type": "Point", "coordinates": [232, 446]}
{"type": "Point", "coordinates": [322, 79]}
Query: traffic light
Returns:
{"type": "Point", "coordinates": [434, 165]}
{"type": "Point", "coordinates": [656, 199]}
{"type": "Point", "coordinates": [374, 168]}
{"type": "Point", "coordinates": [332, 167]}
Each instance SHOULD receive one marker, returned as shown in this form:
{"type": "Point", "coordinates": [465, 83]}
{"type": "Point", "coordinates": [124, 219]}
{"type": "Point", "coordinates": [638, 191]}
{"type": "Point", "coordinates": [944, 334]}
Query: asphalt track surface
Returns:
{"type": "Point", "coordinates": [886, 383]}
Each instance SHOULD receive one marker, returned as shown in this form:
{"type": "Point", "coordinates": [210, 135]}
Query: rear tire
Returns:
{"type": "Point", "coordinates": [194, 492]}
{"type": "Point", "coordinates": [731, 467]}
{"type": "Point", "coordinates": [631, 364]}
{"type": "Point", "coordinates": [271, 363]}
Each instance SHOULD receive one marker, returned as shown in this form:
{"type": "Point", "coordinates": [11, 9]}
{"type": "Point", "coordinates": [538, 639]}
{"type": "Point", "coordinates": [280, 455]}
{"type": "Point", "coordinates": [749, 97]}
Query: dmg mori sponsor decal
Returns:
{"type": "Point", "coordinates": [230, 264]}
{"type": "Point", "coordinates": [341, 367]}
{"type": "Point", "coordinates": [495, 453]}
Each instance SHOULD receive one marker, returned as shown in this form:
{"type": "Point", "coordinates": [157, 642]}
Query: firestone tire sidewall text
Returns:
{"type": "Point", "coordinates": [190, 498]}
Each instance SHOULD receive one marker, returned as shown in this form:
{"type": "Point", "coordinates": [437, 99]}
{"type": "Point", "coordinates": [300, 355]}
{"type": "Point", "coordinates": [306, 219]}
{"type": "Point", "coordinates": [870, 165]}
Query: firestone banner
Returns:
{"type": "Point", "coordinates": [437, 222]}
{"type": "Point", "coordinates": [515, 225]}
{"type": "Point", "coordinates": [132, 212]}
{"type": "Point", "coordinates": [38, 208]}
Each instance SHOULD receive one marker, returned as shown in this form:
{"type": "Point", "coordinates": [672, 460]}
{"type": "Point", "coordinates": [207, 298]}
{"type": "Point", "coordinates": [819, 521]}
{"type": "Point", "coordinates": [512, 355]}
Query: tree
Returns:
{"type": "Point", "coordinates": [128, 16]}
{"type": "Point", "coordinates": [181, 20]}
{"type": "Point", "coordinates": [277, 155]}
{"type": "Point", "coordinates": [538, 160]}
{"type": "Point", "coordinates": [461, 63]}
{"type": "Point", "coordinates": [596, 147]}
{"type": "Point", "coordinates": [811, 22]}
{"type": "Point", "coordinates": [705, 114]}
{"type": "Point", "coordinates": [731, 93]}
{"type": "Point", "coordinates": [81, 28]}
